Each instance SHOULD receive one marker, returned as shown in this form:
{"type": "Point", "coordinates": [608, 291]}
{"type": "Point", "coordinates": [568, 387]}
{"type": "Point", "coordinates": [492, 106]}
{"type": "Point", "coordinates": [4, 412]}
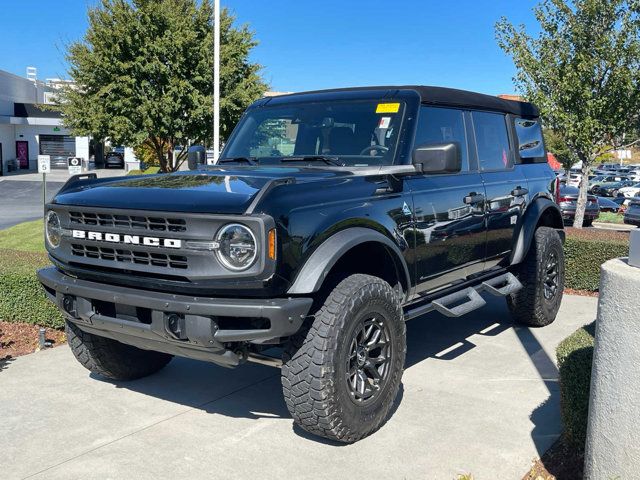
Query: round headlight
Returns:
{"type": "Point", "coordinates": [238, 248]}
{"type": "Point", "coordinates": [53, 229]}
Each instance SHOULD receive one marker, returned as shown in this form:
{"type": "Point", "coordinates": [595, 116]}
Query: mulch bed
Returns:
{"type": "Point", "coordinates": [21, 338]}
{"type": "Point", "coordinates": [560, 462]}
{"type": "Point", "coordinates": [582, 293]}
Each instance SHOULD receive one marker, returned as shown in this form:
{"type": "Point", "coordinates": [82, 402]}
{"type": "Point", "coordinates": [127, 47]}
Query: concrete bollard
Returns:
{"type": "Point", "coordinates": [613, 432]}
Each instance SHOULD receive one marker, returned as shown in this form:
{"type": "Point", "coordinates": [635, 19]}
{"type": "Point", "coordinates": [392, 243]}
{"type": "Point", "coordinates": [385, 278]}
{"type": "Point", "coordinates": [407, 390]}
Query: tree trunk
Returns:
{"type": "Point", "coordinates": [582, 195]}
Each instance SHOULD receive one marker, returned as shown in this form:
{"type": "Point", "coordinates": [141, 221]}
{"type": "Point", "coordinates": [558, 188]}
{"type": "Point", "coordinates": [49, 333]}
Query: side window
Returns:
{"type": "Point", "coordinates": [492, 141]}
{"type": "Point", "coordinates": [529, 133]}
{"type": "Point", "coordinates": [440, 125]}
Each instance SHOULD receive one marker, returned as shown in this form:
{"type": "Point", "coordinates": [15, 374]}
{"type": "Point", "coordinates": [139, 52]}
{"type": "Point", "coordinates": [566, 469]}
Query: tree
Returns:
{"type": "Point", "coordinates": [556, 145]}
{"type": "Point", "coordinates": [583, 72]}
{"type": "Point", "coordinates": [144, 76]}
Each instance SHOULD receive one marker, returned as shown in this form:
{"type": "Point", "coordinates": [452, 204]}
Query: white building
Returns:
{"type": "Point", "coordinates": [27, 130]}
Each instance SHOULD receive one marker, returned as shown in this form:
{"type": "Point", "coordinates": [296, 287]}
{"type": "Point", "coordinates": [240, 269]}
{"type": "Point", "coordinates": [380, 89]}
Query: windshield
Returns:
{"type": "Point", "coordinates": [350, 133]}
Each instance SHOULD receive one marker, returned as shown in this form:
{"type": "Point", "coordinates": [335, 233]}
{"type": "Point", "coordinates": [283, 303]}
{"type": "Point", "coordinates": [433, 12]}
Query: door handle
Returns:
{"type": "Point", "coordinates": [519, 192]}
{"type": "Point", "coordinates": [473, 198]}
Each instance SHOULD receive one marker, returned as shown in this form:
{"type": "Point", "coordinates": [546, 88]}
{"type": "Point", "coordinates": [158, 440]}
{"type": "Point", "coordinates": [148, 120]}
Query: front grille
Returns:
{"type": "Point", "coordinates": [156, 224]}
{"type": "Point", "coordinates": [130, 256]}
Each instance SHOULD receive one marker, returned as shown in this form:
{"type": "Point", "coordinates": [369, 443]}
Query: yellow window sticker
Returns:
{"type": "Point", "coordinates": [388, 108]}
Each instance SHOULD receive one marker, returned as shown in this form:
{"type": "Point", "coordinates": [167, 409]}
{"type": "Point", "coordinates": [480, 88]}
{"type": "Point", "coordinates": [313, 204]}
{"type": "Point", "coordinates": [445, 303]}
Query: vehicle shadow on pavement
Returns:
{"type": "Point", "coordinates": [443, 338]}
{"type": "Point", "coordinates": [254, 391]}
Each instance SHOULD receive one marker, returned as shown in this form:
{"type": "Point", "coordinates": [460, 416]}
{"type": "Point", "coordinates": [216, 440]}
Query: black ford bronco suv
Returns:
{"type": "Point", "coordinates": [331, 218]}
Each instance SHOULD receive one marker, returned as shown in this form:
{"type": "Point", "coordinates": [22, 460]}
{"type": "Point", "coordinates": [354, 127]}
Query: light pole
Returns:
{"type": "Point", "coordinates": [216, 80]}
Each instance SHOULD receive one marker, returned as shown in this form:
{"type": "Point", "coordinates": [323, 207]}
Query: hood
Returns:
{"type": "Point", "coordinates": [224, 191]}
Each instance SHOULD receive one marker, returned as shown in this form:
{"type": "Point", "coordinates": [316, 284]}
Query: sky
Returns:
{"type": "Point", "coordinates": [307, 45]}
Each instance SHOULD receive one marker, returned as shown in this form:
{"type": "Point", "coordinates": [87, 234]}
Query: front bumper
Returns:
{"type": "Point", "coordinates": [211, 329]}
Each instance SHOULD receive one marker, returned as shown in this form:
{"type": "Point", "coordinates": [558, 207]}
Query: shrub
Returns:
{"type": "Point", "coordinates": [575, 354]}
{"type": "Point", "coordinates": [585, 250]}
{"type": "Point", "coordinates": [22, 298]}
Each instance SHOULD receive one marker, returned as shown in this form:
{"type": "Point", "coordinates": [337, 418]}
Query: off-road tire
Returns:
{"type": "Point", "coordinates": [529, 306]}
{"type": "Point", "coordinates": [113, 359]}
{"type": "Point", "coordinates": [314, 371]}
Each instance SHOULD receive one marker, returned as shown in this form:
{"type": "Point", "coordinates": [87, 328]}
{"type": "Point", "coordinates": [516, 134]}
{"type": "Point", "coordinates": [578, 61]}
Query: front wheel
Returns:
{"type": "Point", "coordinates": [542, 276]}
{"type": "Point", "coordinates": [341, 375]}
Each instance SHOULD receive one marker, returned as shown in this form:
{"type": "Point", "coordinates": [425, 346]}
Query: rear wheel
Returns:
{"type": "Point", "coordinates": [587, 222]}
{"type": "Point", "coordinates": [341, 375]}
{"type": "Point", "coordinates": [113, 359]}
{"type": "Point", "coordinates": [542, 277]}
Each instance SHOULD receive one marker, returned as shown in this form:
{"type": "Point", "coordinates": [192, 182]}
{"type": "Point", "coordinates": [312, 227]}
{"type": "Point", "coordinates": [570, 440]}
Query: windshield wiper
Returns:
{"type": "Point", "coordinates": [249, 160]}
{"type": "Point", "coordinates": [311, 158]}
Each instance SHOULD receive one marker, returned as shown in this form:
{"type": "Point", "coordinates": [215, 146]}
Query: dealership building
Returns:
{"type": "Point", "coordinates": [28, 130]}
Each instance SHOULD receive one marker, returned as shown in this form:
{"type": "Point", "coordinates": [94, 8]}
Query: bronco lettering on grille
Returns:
{"type": "Point", "coordinates": [128, 239]}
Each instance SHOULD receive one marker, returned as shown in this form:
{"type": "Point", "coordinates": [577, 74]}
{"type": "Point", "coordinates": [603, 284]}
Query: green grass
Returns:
{"type": "Point", "coordinates": [610, 217]}
{"type": "Point", "coordinates": [148, 171]}
{"type": "Point", "coordinates": [24, 237]}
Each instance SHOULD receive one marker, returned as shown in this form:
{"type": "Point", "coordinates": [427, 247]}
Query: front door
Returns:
{"type": "Point", "coordinates": [22, 154]}
{"type": "Point", "coordinates": [505, 183]}
{"type": "Point", "coordinates": [448, 209]}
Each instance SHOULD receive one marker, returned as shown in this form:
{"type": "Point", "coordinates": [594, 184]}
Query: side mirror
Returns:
{"type": "Point", "coordinates": [196, 156]}
{"type": "Point", "coordinates": [438, 157]}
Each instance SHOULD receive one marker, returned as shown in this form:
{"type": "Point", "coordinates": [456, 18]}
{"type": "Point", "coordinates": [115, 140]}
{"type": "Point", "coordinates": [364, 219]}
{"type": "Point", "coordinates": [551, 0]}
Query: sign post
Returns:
{"type": "Point", "coordinates": [44, 167]}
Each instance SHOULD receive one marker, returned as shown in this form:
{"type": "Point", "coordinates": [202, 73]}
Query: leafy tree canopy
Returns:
{"type": "Point", "coordinates": [144, 75]}
{"type": "Point", "coordinates": [583, 71]}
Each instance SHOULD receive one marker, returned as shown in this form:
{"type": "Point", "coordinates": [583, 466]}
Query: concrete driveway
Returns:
{"type": "Point", "coordinates": [478, 396]}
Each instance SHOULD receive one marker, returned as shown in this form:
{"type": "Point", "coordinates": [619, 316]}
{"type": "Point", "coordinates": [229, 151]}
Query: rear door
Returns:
{"type": "Point", "coordinates": [448, 208]}
{"type": "Point", "coordinates": [505, 183]}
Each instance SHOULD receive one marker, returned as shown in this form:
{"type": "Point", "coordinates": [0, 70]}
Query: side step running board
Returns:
{"type": "Point", "coordinates": [468, 299]}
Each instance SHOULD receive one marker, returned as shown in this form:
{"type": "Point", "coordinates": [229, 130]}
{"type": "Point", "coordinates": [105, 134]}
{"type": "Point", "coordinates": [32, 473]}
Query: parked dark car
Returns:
{"type": "Point", "coordinates": [568, 200]}
{"type": "Point", "coordinates": [114, 159]}
{"type": "Point", "coordinates": [611, 189]}
{"type": "Point", "coordinates": [608, 205]}
{"type": "Point", "coordinates": [632, 214]}
{"type": "Point", "coordinates": [330, 219]}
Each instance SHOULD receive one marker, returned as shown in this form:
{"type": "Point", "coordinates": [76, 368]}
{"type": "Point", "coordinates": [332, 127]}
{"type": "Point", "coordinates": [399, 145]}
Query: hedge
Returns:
{"type": "Point", "coordinates": [22, 298]}
{"type": "Point", "coordinates": [585, 250]}
{"type": "Point", "coordinates": [575, 354]}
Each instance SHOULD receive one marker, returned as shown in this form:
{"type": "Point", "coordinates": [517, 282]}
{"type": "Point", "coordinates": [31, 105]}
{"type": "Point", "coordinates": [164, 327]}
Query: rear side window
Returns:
{"type": "Point", "coordinates": [492, 141]}
{"type": "Point", "coordinates": [529, 133]}
{"type": "Point", "coordinates": [442, 125]}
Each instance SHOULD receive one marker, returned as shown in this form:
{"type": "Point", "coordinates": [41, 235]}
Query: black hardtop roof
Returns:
{"type": "Point", "coordinates": [428, 95]}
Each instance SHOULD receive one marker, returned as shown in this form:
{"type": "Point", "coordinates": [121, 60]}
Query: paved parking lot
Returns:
{"type": "Point", "coordinates": [478, 396]}
{"type": "Point", "coordinates": [21, 195]}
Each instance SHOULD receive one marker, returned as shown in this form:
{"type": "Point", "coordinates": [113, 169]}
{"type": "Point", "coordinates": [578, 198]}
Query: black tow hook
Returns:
{"type": "Point", "coordinates": [175, 326]}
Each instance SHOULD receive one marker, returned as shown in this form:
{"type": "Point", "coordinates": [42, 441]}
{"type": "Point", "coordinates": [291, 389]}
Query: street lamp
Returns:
{"type": "Point", "coordinates": [216, 80]}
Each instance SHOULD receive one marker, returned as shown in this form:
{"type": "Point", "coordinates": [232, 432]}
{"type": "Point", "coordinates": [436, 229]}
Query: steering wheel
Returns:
{"type": "Point", "coordinates": [371, 148]}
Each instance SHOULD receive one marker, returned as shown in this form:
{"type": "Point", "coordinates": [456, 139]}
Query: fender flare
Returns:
{"type": "Point", "coordinates": [322, 260]}
{"type": "Point", "coordinates": [533, 213]}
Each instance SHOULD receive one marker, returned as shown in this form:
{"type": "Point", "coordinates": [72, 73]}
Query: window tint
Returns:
{"type": "Point", "coordinates": [441, 125]}
{"type": "Point", "coordinates": [492, 141]}
{"type": "Point", "coordinates": [529, 132]}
